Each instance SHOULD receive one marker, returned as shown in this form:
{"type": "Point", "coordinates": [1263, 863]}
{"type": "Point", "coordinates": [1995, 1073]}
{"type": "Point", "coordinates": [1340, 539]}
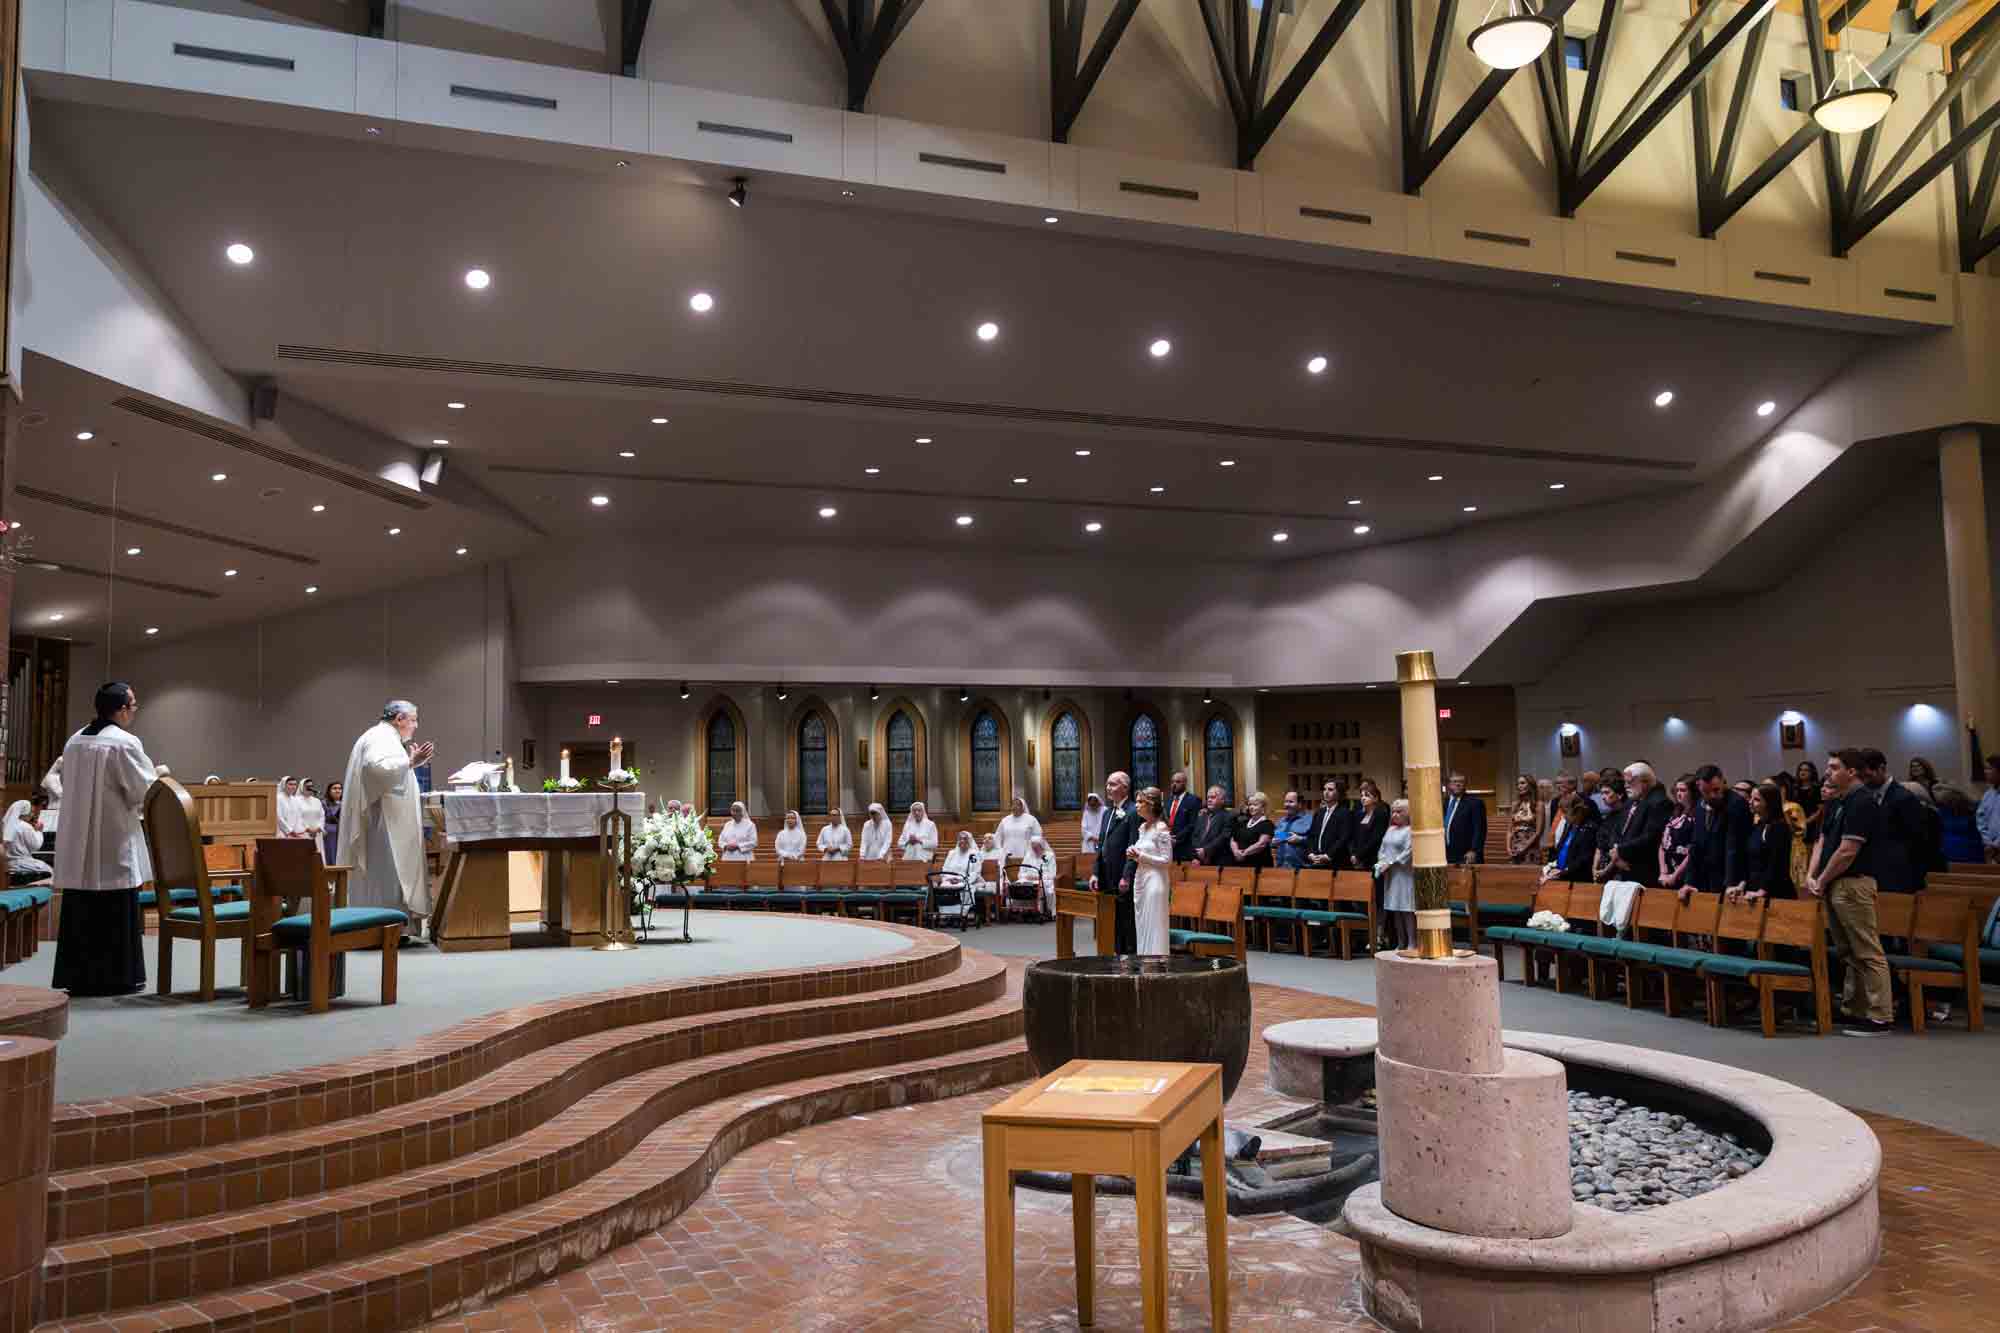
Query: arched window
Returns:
{"type": "Point", "coordinates": [1066, 763]}
{"type": "Point", "coordinates": [985, 761]}
{"type": "Point", "coordinates": [813, 799]}
{"type": "Point", "coordinates": [902, 747]}
{"type": "Point", "coordinates": [1219, 756]}
{"type": "Point", "coordinates": [721, 743]}
{"type": "Point", "coordinates": [1145, 752]}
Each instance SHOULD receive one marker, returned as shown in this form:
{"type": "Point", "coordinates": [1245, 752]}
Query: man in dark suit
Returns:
{"type": "Point", "coordinates": [1636, 853]}
{"type": "Point", "coordinates": [1180, 814]}
{"type": "Point", "coordinates": [1720, 856]}
{"type": "Point", "coordinates": [1464, 825]}
{"type": "Point", "coordinates": [1211, 831]}
{"type": "Point", "coordinates": [1901, 850]}
{"type": "Point", "coordinates": [1114, 868]}
{"type": "Point", "coordinates": [1330, 841]}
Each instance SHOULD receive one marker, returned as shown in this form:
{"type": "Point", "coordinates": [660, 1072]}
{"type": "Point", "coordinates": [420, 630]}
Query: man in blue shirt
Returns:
{"type": "Point", "coordinates": [1989, 809]}
{"type": "Point", "coordinates": [1288, 842]}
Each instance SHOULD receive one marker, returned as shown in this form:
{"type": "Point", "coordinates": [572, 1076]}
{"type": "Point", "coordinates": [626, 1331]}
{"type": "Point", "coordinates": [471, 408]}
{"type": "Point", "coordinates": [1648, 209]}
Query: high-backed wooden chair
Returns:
{"type": "Point", "coordinates": [835, 879]}
{"type": "Point", "coordinates": [1934, 919]}
{"type": "Point", "coordinates": [796, 879]}
{"type": "Point", "coordinates": [1184, 904]}
{"type": "Point", "coordinates": [1274, 905]}
{"type": "Point", "coordinates": [909, 893]}
{"type": "Point", "coordinates": [1219, 926]}
{"type": "Point", "coordinates": [289, 871]}
{"type": "Point", "coordinates": [181, 876]}
{"type": "Point", "coordinates": [1798, 924]}
{"type": "Point", "coordinates": [872, 879]}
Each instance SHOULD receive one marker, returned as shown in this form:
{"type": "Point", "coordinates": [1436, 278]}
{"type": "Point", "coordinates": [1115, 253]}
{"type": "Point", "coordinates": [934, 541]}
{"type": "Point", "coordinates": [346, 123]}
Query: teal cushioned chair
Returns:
{"type": "Point", "coordinates": [290, 872]}
{"type": "Point", "coordinates": [1736, 965]}
{"type": "Point", "coordinates": [1182, 940]}
{"type": "Point", "coordinates": [196, 903]}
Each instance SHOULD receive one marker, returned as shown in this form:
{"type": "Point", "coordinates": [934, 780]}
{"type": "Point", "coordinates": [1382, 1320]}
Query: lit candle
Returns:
{"type": "Point", "coordinates": [617, 754]}
{"type": "Point", "coordinates": [565, 766]}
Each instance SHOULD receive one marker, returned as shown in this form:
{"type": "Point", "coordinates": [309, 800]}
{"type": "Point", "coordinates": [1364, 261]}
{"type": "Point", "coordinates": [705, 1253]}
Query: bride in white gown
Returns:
{"type": "Point", "coordinates": [1154, 851]}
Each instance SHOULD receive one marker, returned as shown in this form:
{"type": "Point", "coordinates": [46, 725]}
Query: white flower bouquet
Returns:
{"type": "Point", "coordinates": [1552, 922]}
{"type": "Point", "coordinates": [673, 849]}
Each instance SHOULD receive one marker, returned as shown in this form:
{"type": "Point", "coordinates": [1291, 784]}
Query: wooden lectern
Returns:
{"type": "Point", "coordinates": [1100, 909]}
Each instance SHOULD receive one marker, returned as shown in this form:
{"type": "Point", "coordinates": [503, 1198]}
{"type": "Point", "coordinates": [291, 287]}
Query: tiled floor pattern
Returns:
{"type": "Point", "coordinates": [874, 1223]}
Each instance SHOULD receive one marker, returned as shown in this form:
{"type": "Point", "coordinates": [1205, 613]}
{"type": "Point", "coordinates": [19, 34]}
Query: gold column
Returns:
{"type": "Point", "coordinates": [1968, 562]}
{"type": "Point", "coordinates": [1416, 678]}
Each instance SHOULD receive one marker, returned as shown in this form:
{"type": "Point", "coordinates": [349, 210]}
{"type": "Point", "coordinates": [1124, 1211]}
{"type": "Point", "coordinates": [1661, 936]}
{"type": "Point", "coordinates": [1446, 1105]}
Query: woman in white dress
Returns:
{"type": "Point", "coordinates": [920, 835]}
{"type": "Point", "coordinates": [835, 840]}
{"type": "Point", "coordinates": [1154, 851]}
{"type": "Point", "coordinates": [1093, 823]}
{"type": "Point", "coordinates": [1017, 830]}
{"type": "Point", "coordinates": [1397, 877]}
{"type": "Point", "coordinates": [877, 834]}
{"type": "Point", "coordinates": [790, 844]}
{"type": "Point", "coordinates": [739, 836]}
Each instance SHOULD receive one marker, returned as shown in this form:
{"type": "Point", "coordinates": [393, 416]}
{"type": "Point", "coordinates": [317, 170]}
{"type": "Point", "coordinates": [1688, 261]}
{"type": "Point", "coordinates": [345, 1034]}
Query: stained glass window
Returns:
{"type": "Point", "coordinates": [1145, 752]}
{"type": "Point", "coordinates": [1219, 746]}
{"type": "Point", "coordinates": [812, 765]}
{"type": "Point", "coordinates": [985, 761]}
{"type": "Point", "coordinates": [1066, 763]}
{"type": "Point", "coordinates": [721, 763]}
{"type": "Point", "coordinates": [902, 733]}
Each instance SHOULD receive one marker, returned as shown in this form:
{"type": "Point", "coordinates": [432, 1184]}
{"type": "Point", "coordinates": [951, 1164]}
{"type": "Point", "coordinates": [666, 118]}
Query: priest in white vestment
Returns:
{"type": "Point", "coordinates": [382, 818]}
{"type": "Point", "coordinates": [101, 853]}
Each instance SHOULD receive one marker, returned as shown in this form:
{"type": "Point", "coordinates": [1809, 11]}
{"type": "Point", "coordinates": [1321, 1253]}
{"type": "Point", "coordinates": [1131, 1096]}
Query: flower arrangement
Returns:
{"type": "Point", "coordinates": [620, 779]}
{"type": "Point", "coordinates": [1552, 922]}
{"type": "Point", "coordinates": [673, 849]}
{"type": "Point", "coordinates": [561, 784]}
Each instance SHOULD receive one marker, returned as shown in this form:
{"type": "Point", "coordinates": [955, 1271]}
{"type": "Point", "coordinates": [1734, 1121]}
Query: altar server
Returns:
{"type": "Point", "coordinates": [101, 856]}
{"type": "Point", "coordinates": [1018, 829]}
{"type": "Point", "coordinates": [382, 818]}
{"type": "Point", "coordinates": [877, 835]}
{"type": "Point", "coordinates": [739, 836]}
{"type": "Point", "coordinates": [790, 844]}
{"type": "Point", "coordinates": [1093, 823]}
{"type": "Point", "coordinates": [21, 836]}
{"type": "Point", "coordinates": [920, 836]}
{"type": "Point", "coordinates": [835, 840]}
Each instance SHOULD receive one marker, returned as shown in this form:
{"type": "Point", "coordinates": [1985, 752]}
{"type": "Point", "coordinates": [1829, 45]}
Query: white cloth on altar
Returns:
{"type": "Point", "coordinates": [488, 816]}
{"type": "Point", "coordinates": [103, 845]}
{"type": "Point", "coordinates": [382, 826]}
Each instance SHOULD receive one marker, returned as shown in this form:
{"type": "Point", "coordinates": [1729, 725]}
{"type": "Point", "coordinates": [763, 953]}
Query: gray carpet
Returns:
{"type": "Point", "coordinates": [1947, 1077]}
{"type": "Point", "coordinates": [147, 1043]}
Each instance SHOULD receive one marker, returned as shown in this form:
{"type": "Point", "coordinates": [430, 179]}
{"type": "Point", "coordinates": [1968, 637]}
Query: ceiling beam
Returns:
{"type": "Point", "coordinates": [1421, 157]}
{"type": "Point", "coordinates": [1072, 74]}
{"type": "Point", "coordinates": [863, 36]}
{"type": "Point", "coordinates": [1246, 73]}
{"type": "Point", "coordinates": [632, 34]}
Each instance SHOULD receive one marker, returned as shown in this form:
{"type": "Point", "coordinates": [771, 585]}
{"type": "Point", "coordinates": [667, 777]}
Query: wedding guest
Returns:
{"type": "Point", "coordinates": [877, 834]}
{"type": "Point", "coordinates": [1212, 829]}
{"type": "Point", "coordinates": [312, 811]}
{"type": "Point", "coordinates": [1288, 840]}
{"type": "Point", "coordinates": [1330, 840]}
{"type": "Point", "coordinates": [1399, 879]}
{"type": "Point", "coordinates": [1958, 835]}
{"type": "Point", "coordinates": [1371, 824]}
{"type": "Point", "coordinates": [1924, 771]}
{"type": "Point", "coordinates": [1250, 839]}
{"type": "Point", "coordinates": [1721, 835]}
{"type": "Point", "coordinates": [1769, 864]}
{"type": "Point", "coordinates": [1018, 829]}
{"type": "Point", "coordinates": [1464, 824]}
{"type": "Point", "coordinates": [1524, 823]}
{"type": "Point", "coordinates": [334, 793]}
{"type": "Point", "coordinates": [1806, 790]}
{"type": "Point", "coordinates": [1545, 798]}
{"type": "Point", "coordinates": [291, 818]}
{"type": "Point", "coordinates": [790, 844]}
{"type": "Point", "coordinates": [961, 863]}
{"type": "Point", "coordinates": [1677, 838]}
{"type": "Point", "coordinates": [920, 836]}
{"type": "Point", "coordinates": [1153, 851]}
{"type": "Point", "coordinates": [1573, 854]}
{"type": "Point", "coordinates": [1988, 817]}
{"type": "Point", "coordinates": [835, 841]}
{"type": "Point", "coordinates": [1181, 813]}
{"type": "Point", "coordinates": [1093, 823]}
{"type": "Point", "coordinates": [738, 839]}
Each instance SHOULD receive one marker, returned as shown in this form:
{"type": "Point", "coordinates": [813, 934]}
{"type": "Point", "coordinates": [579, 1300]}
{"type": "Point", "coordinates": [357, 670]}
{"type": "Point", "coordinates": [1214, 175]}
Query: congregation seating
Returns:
{"type": "Point", "coordinates": [1213, 917]}
{"type": "Point", "coordinates": [892, 890]}
{"type": "Point", "coordinates": [20, 922]}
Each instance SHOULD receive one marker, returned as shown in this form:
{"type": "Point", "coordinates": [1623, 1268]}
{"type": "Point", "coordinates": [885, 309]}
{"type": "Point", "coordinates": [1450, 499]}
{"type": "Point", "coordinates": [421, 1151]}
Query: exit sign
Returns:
{"type": "Point", "coordinates": [596, 719]}
{"type": "Point", "coordinates": [1444, 715]}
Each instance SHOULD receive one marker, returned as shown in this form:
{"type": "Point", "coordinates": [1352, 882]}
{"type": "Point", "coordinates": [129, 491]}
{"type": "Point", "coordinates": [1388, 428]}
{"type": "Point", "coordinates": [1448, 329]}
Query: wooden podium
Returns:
{"type": "Point", "coordinates": [1100, 909]}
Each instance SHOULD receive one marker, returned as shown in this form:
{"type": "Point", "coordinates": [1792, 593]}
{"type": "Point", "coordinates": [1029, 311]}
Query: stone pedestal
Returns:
{"type": "Point", "coordinates": [1327, 1060]}
{"type": "Point", "coordinates": [27, 1101]}
{"type": "Point", "coordinates": [1475, 1138]}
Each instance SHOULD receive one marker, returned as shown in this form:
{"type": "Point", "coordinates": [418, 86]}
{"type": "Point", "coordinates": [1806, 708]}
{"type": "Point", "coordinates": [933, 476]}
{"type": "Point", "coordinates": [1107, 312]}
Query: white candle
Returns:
{"type": "Point", "coordinates": [617, 754]}
{"type": "Point", "coordinates": [565, 766]}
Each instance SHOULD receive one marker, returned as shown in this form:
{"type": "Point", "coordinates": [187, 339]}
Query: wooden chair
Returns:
{"type": "Point", "coordinates": [1566, 956]}
{"type": "Point", "coordinates": [180, 875]}
{"type": "Point", "coordinates": [909, 892]}
{"type": "Point", "coordinates": [1677, 962]}
{"type": "Point", "coordinates": [795, 880]}
{"type": "Point", "coordinates": [1490, 895]}
{"type": "Point", "coordinates": [872, 879]}
{"type": "Point", "coordinates": [1649, 926]}
{"type": "Point", "coordinates": [1549, 898]}
{"type": "Point", "coordinates": [1350, 913]}
{"type": "Point", "coordinates": [1219, 926]}
{"type": "Point", "coordinates": [834, 879]}
{"type": "Point", "coordinates": [1184, 904]}
{"type": "Point", "coordinates": [1741, 922]}
{"type": "Point", "coordinates": [1786, 923]}
{"type": "Point", "coordinates": [289, 871]}
{"type": "Point", "coordinates": [1932, 919]}
{"type": "Point", "coordinates": [1273, 905]}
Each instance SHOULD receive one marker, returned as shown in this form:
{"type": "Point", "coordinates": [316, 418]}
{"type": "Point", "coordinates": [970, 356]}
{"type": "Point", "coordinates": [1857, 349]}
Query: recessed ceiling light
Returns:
{"type": "Point", "coordinates": [373, 129]}
{"type": "Point", "coordinates": [1157, 490]}
{"type": "Point", "coordinates": [964, 520]}
{"type": "Point", "coordinates": [1472, 509]}
{"type": "Point", "coordinates": [1225, 462]}
{"type": "Point", "coordinates": [701, 303]}
{"type": "Point", "coordinates": [311, 588]}
{"type": "Point", "coordinates": [923, 439]}
{"type": "Point", "coordinates": [1316, 366]}
{"type": "Point", "coordinates": [455, 405]}
{"type": "Point", "coordinates": [1050, 218]}
{"type": "Point", "coordinates": [132, 550]}
{"type": "Point", "coordinates": [1361, 529]}
{"type": "Point", "coordinates": [460, 551]}
{"type": "Point", "coordinates": [827, 511]}
{"type": "Point", "coordinates": [1083, 453]}
{"type": "Point", "coordinates": [218, 476]}
{"type": "Point", "coordinates": [600, 500]}
{"type": "Point", "coordinates": [659, 421]}
{"type": "Point", "coordinates": [1020, 481]}
{"type": "Point", "coordinates": [1281, 536]}
{"type": "Point", "coordinates": [55, 615]}
{"type": "Point", "coordinates": [1766, 408]}
{"type": "Point", "coordinates": [622, 162]}
{"type": "Point", "coordinates": [478, 279]}
{"type": "Point", "coordinates": [1093, 526]}
{"type": "Point", "coordinates": [610, 682]}
{"type": "Point", "coordinates": [1354, 502]}
{"type": "Point", "coordinates": [1160, 348]}
{"type": "Point", "coordinates": [1435, 476]}
{"type": "Point", "coordinates": [873, 471]}
{"type": "Point", "coordinates": [319, 509]}
{"type": "Point", "coordinates": [395, 532]}
{"type": "Point", "coordinates": [847, 194]}
{"type": "Point", "coordinates": [439, 440]}
{"type": "Point", "coordinates": [988, 331]}
{"type": "Point", "coordinates": [1663, 397]}
{"type": "Point", "coordinates": [152, 629]}
{"type": "Point", "coordinates": [240, 253]}
{"type": "Point", "coordinates": [229, 573]}
{"type": "Point", "coordinates": [627, 453]}
{"type": "Point", "coordinates": [86, 435]}
{"type": "Point", "coordinates": [1557, 485]}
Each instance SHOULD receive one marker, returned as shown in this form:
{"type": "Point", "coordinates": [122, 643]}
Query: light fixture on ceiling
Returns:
{"type": "Point", "coordinates": [847, 194]}
{"type": "Point", "coordinates": [610, 682]}
{"type": "Point", "coordinates": [374, 131]}
{"type": "Point", "coordinates": [460, 551]}
{"type": "Point", "coordinates": [827, 511]}
{"type": "Point", "coordinates": [478, 279]}
{"type": "Point", "coordinates": [783, 692]}
{"type": "Point", "coordinates": [701, 303]}
{"type": "Point", "coordinates": [1435, 476]}
{"type": "Point", "coordinates": [963, 520]}
{"type": "Point", "coordinates": [739, 191]}
{"type": "Point", "coordinates": [1472, 509]}
{"type": "Point", "coordinates": [1157, 490]}
{"type": "Point", "coordinates": [1856, 106]}
{"type": "Point", "coordinates": [1020, 481]}
{"type": "Point", "coordinates": [963, 694]}
{"type": "Point", "coordinates": [874, 693]}
{"type": "Point", "coordinates": [1160, 347]}
{"type": "Point", "coordinates": [455, 405]}
{"type": "Point", "coordinates": [229, 573]}
{"type": "Point", "coordinates": [439, 439]}
{"type": "Point", "coordinates": [621, 162]}
{"type": "Point", "coordinates": [627, 453]}
{"type": "Point", "coordinates": [239, 253]}
{"type": "Point", "coordinates": [1225, 462]}
{"type": "Point", "coordinates": [1207, 697]}
{"type": "Point", "coordinates": [319, 509]}
{"type": "Point", "coordinates": [923, 439]}
{"type": "Point", "coordinates": [55, 615]}
{"type": "Point", "coordinates": [86, 435]}
{"type": "Point", "coordinates": [1361, 529]}
{"type": "Point", "coordinates": [1557, 485]}
{"type": "Point", "coordinates": [600, 500]}
{"type": "Point", "coordinates": [1766, 408]}
{"type": "Point", "coordinates": [1567, 729]}
{"type": "Point", "coordinates": [1663, 398]}
{"type": "Point", "coordinates": [685, 691]}
{"type": "Point", "coordinates": [394, 532]}
{"type": "Point", "coordinates": [1281, 536]}
{"type": "Point", "coordinates": [218, 476]}
{"type": "Point", "coordinates": [132, 550]}
{"type": "Point", "coordinates": [873, 471]}
{"type": "Point", "coordinates": [1083, 453]}
{"type": "Point", "coordinates": [1354, 502]}
{"type": "Point", "coordinates": [311, 588]}
{"type": "Point", "coordinates": [1514, 39]}
{"type": "Point", "coordinates": [1093, 526]}
{"type": "Point", "coordinates": [1316, 366]}
{"type": "Point", "coordinates": [659, 421]}
{"type": "Point", "coordinates": [988, 331]}
{"type": "Point", "coordinates": [152, 629]}
{"type": "Point", "coordinates": [1050, 218]}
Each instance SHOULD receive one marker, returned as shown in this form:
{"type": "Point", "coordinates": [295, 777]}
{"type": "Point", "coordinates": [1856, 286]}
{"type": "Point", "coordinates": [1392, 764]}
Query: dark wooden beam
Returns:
{"type": "Point", "coordinates": [863, 36]}
{"type": "Point", "coordinates": [1076, 74]}
{"type": "Point", "coordinates": [632, 34]}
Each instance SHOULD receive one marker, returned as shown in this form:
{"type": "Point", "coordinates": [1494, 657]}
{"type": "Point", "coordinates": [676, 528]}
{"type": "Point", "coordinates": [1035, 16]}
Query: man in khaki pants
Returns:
{"type": "Point", "coordinates": [1843, 874]}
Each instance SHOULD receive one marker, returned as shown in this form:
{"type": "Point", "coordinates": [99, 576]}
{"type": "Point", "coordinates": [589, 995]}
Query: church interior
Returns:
{"type": "Point", "coordinates": [1138, 664]}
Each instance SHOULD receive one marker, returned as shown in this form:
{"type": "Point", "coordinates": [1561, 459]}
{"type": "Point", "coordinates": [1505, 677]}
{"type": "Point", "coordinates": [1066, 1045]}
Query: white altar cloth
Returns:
{"type": "Point", "coordinates": [492, 816]}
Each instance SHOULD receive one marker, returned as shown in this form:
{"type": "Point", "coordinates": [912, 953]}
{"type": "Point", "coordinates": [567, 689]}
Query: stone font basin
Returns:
{"type": "Point", "coordinates": [1139, 1008]}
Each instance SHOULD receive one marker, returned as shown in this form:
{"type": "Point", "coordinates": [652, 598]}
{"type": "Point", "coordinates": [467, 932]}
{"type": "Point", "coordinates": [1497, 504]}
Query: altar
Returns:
{"type": "Point", "coordinates": [484, 831]}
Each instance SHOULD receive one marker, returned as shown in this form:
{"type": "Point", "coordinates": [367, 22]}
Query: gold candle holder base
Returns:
{"type": "Point", "coordinates": [1434, 933]}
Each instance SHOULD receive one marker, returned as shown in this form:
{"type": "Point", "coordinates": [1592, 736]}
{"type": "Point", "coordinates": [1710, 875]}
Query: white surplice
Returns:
{"type": "Point", "coordinates": [382, 826]}
{"type": "Point", "coordinates": [105, 778]}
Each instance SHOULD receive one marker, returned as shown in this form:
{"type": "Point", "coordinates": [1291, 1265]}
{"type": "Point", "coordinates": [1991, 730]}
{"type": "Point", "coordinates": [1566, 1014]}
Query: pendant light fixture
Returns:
{"type": "Point", "coordinates": [1851, 105]}
{"type": "Point", "coordinates": [1513, 39]}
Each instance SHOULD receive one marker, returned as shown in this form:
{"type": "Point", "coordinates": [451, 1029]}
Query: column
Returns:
{"type": "Point", "coordinates": [1968, 562]}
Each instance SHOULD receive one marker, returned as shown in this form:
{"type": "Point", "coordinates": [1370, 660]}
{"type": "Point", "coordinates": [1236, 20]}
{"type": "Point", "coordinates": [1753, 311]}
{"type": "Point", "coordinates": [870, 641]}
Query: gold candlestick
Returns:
{"type": "Point", "coordinates": [1416, 678]}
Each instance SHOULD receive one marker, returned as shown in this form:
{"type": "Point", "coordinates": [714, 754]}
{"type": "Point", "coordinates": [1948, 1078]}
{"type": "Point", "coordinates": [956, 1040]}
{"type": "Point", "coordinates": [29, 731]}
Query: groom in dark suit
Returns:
{"type": "Point", "coordinates": [1114, 868]}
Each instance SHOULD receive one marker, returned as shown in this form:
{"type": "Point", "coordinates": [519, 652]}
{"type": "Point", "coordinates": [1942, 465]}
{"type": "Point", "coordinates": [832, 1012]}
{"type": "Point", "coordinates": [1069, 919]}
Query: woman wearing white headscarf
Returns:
{"type": "Point", "coordinates": [961, 865]}
{"type": "Point", "coordinates": [920, 836]}
{"type": "Point", "coordinates": [21, 835]}
{"type": "Point", "coordinates": [835, 840]}
{"type": "Point", "coordinates": [1018, 829]}
{"type": "Point", "coordinates": [291, 819]}
{"type": "Point", "coordinates": [739, 836]}
{"type": "Point", "coordinates": [1093, 823]}
{"type": "Point", "coordinates": [790, 844]}
{"type": "Point", "coordinates": [312, 813]}
{"type": "Point", "coordinates": [52, 784]}
{"type": "Point", "coordinates": [877, 834]}
{"type": "Point", "coordinates": [1040, 869]}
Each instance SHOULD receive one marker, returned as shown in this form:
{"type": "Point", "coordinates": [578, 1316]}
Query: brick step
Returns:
{"type": "Point", "coordinates": [468, 1266]}
{"type": "Point", "coordinates": [177, 1187]}
{"type": "Point", "coordinates": [105, 1133]}
{"type": "Point", "coordinates": [266, 1243]}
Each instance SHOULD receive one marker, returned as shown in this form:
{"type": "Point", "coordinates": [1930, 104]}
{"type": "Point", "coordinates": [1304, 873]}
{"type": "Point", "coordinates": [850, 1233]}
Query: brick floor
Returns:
{"type": "Point", "coordinates": [874, 1223]}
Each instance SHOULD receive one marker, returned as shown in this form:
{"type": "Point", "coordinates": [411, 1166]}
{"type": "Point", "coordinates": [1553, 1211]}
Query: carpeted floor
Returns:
{"type": "Point", "coordinates": [147, 1043]}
